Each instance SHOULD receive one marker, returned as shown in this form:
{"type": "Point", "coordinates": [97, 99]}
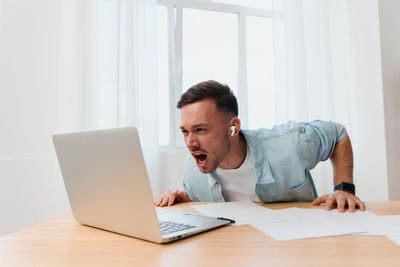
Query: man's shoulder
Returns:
{"type": "Point", "coordinates": [287, 128]}
{"type": "Point", "coordinates": [195, 181]}
{"type": "Point", "coordinates": [189, 161]}
{"type": "Point", "coordinates": [191, 168]}
{"type": "Point", "coordinates": [279, 130]}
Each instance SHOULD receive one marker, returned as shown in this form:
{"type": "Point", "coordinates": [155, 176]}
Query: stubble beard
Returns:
{"type": "Point", "coordinates": [215, 163]}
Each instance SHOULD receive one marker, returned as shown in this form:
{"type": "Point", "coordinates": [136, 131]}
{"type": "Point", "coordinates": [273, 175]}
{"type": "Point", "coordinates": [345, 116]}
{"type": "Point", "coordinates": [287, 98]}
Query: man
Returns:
{"type": "Point", "coordinates": [227, 163]}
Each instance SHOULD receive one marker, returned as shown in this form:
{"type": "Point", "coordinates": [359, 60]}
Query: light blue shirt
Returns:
{"type": "Point", "coordinates": [283, 157]}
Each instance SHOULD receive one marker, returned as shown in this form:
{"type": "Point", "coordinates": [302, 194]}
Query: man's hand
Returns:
{"type": "Point", "coordinates": [170, 197]}
{"type": "Point", "coordinates": [341, 200]}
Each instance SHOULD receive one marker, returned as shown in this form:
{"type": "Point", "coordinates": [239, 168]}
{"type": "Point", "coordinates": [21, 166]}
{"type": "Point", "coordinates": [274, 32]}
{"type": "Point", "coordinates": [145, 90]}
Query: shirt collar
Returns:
{"type": "Point", "coordinates": [212, 179]}
{"type": "Point", "coordinates": [262, 167]}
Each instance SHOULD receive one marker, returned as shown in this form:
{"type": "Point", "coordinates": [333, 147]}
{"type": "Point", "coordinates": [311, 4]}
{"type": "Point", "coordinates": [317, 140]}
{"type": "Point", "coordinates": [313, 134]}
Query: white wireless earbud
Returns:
{"type": "Point", "coordinates": [233, 130]}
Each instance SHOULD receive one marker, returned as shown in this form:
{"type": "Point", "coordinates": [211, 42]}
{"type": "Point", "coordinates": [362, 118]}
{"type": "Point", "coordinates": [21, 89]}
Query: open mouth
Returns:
{"type": "Point", "coordinates": [201, 159]}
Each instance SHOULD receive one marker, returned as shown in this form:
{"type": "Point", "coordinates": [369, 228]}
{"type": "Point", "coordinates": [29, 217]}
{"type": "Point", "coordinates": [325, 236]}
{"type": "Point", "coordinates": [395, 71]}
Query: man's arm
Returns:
{"type": "Point", "coordinates": [342, 163]}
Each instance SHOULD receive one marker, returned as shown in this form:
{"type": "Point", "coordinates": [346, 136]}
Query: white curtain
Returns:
{"type": "Point", "coordinates": [311, 53]}
{"type": "Point", "coordinates": [107, 70]}
{"type": "Point", "coordinates": [320, 74]}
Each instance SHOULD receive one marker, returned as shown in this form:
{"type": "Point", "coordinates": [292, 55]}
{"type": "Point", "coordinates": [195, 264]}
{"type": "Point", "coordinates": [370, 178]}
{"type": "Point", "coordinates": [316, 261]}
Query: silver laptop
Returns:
{"type": "Point", "coordinates": [107, 185]}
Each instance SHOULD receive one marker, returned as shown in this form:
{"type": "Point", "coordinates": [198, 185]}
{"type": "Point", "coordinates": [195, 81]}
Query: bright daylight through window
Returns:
{"type": "Point", "coordinates": [225, 40]}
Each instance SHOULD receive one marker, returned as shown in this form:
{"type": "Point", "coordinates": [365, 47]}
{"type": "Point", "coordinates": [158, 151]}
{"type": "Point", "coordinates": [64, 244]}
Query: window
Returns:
{"type": "Point", "coordinates": [209, 47]}
{"type": "Point", "coordinates": [225, 40]}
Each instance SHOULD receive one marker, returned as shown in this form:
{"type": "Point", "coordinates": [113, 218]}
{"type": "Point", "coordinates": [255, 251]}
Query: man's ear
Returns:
{"type": "Point", "coordinates": [234, 126]}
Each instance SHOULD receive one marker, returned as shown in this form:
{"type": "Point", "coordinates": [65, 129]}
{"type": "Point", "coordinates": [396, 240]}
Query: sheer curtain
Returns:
{"type": "Point", "coordinates": [107, 70]}
{"type": "Point", "coordinates": [325, 69]}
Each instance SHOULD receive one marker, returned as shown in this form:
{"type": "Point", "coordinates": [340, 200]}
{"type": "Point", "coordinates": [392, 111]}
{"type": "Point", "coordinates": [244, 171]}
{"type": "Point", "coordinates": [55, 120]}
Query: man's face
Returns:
{"type": "Point", "coordinates": [205, 132]}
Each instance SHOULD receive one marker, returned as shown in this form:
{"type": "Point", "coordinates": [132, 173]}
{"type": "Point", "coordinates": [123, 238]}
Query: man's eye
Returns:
{"type": "Point", "coordinates": [200, 130]}
{"type": "Point", "coordinates": [184, 132]}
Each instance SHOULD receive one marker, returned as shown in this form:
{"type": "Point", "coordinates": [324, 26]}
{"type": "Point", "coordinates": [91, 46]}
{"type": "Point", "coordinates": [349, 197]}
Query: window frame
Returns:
{"type": "Point", "coordinates": [175, 50]}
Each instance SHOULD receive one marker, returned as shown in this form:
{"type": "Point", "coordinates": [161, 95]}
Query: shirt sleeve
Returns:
{"type": "Point", "coordinates": [317, 141]}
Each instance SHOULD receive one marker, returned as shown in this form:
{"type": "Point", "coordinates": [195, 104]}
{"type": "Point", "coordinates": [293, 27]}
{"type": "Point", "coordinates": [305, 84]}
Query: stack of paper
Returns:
{"type": "Point", "coordinates": [296, 223]}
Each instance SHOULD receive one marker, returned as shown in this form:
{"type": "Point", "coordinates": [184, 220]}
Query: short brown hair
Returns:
{"type": "Point", "coordinates": [221, 94]}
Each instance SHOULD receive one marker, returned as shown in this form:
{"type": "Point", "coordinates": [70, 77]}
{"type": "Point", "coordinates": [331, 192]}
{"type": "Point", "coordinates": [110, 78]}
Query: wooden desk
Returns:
{"type": "Point", "coordinates": [63, 242]}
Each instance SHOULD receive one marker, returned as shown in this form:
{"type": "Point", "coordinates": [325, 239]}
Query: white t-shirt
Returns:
{"type": "Point", "coordinates": [239, 184]}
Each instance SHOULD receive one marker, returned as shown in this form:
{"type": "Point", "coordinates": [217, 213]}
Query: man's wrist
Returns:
{"type": "Point", "coordinates": [345, 186]}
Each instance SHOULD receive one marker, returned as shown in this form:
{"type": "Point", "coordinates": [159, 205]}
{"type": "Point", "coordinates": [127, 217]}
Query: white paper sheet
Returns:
{"type": "Point", "coordinates": [312, 223]}
{"type": "Point", "coordinates": [243, 212]}
{"type": "Point", "coordinates": [391, 227]}
{"type": "Point", "coordinates": [368, 221]}
{"type": "Point", "coordinates": [374, 224]}
{"type": "Point", "coordinates": [394, 237]}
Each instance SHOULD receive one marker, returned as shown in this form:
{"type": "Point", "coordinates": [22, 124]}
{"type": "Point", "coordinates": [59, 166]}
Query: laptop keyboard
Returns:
{"type": "Point", "coordinates": [171, 227]}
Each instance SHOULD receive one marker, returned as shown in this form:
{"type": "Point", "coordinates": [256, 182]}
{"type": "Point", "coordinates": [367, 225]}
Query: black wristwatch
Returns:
{"type": "Point", "coordinates": [347, 187]}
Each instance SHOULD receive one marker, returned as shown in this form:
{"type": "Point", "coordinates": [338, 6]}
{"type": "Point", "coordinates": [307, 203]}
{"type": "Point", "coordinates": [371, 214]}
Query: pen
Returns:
{"type": "Point", "coordinates": [226, 219]}
{"type": "Point", "coordinates": [220, 218]}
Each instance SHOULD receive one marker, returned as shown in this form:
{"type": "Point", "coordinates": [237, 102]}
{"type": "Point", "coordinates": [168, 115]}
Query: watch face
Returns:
{"type": "Point", "coordinates": [347, 187]}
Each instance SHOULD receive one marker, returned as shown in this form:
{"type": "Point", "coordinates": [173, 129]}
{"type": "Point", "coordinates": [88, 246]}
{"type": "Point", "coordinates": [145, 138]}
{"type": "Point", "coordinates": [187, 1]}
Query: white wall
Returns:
{"type": "Point", "coordinates": [365, 75]}
{"type": "Point", "coordinates": [389, 11]}
{"type": "Point", "coordinates": [31, 189]}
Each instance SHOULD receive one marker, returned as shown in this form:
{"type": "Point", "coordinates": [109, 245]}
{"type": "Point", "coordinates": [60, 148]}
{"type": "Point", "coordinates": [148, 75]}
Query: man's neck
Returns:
{"type": "Point", "coordinates": [237, 153]}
